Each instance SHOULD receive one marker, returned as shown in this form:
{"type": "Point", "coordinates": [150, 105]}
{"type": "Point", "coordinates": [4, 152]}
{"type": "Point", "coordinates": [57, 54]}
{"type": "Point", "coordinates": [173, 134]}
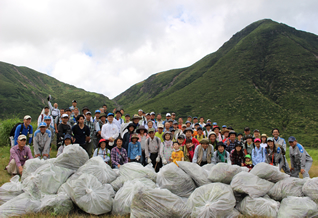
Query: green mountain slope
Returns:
{"type": "Point", "coordinates": [24, 91]}
{"type": "Point", "coordinates": [265, 76]}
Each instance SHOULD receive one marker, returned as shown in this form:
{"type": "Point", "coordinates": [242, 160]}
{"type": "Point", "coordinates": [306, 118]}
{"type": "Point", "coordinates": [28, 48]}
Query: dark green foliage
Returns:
{"type": "Point", "coordinates": [5, 128]}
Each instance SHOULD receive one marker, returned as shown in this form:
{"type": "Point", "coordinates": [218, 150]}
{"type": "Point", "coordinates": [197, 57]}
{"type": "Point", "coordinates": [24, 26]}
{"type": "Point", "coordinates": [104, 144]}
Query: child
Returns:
{"type": "Point", "coordinates": [258, 153]}
{"type": "Point", "coordinates": [102, 151]}
{"type": "Point", "coordinates": [264, 140]}
{"type": "Point", "coordinates": [188, 150]}
{"type": "Point", "coordinates": [134, 149]}
{"type": "Point", "coordinates": [177, 155]}
{"type": "Point", "coordinates": [127, 137]}
{"type": "Point", "coordinates": [240, 137]}
{"type": "Point", "coordinates": [142, 134]}
{"type": "Point", "coordinates": [66, 141]}
{"type": "Point", "coordinates": [248, 162]}
{"type": "Point", "coordinates": [166, 147]}
{"type": "Point", "coordinates": [237, 155]}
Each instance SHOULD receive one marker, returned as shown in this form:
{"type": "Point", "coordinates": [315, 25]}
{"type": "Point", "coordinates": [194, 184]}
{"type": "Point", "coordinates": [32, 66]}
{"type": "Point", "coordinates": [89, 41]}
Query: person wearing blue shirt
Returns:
{"type": "Point", "coordinates": [102, 151]}
{"type": "Point", "coordinates": [26, 130]}
{"type": "Point", "coordinates": [134, 149]}
{"type": "Point", "coordinates": [258, 152]}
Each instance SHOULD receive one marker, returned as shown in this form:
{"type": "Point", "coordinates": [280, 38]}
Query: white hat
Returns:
{"type": "Point", "coordinates": [64, 115]}
{"type": "Point", "coordinates": [168, 115]}
{"type": "Point", "coordinates": [88, 112]}
{"type": "Point", "coordinates": [27, 117]}
{"type": "Point", "coordinates": [21, 137]}
{"type": "Point", "coordinates": [140, 110]}
{"type": "Point", "coordinates": [160, 126]}
{"type": "Point", "coordinates": [152, 113]}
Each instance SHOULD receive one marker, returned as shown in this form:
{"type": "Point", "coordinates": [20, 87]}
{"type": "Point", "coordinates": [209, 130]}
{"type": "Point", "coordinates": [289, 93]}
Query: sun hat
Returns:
{"type": "Point", "coordinates": [165, 133]}
{"type": "Point", "coordinates": [141, 128]}
{"type": "Point", "coordinates": [214, 127]}
{"type": "Point", "coordinates": [224, 131]}
{"type": "Point", "coordinates": [220, 144]}
{"type": "Point", "coordinates": [264, 135]}
{"type": "Point", "coordinates": [188, 129]}
{"type": "Point", "coordinates": [134, 136]}
{"type": "Point", "coordinates": [204, 141]}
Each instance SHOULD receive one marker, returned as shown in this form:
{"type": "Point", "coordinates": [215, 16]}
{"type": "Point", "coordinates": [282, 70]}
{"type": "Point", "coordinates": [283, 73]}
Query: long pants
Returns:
{"type": "Point", "coordinates": [143, 158]}
{"type": "Point", "coordinates": [155, 165]}
{"type": "Point", "coordinates": [296, 171]}
{"type": "Point", "coordinates": [12, 167]}
{"type": "Point", "coordinates": [284, 165]}
{"type": "Point", "coordinates": [88, 146]}
{"type": "Point", "coordinates": [94, 141]}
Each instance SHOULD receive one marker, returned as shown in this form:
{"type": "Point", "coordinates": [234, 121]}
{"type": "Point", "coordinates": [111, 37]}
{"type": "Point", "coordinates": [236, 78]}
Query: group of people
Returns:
{"type": "Point", "coordinates": [146, 138]}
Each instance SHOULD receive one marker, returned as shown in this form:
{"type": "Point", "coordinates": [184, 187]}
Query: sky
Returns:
{"type": "Point", "coordinates": [107, 46]}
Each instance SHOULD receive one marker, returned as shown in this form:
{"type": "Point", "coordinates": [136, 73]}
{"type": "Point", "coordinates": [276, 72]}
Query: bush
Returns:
{"type": "Point", "coordinates": [5, 128]}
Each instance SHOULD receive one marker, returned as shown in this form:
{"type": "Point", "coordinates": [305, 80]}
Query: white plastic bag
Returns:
{"type": "Point", "coordinates": [297, 207]}
{"type": "Point", "coordinates": [91, 195]}
{"type": "Point", "coordinates": [197, 173]}
{"type": "Point", "coordinates": [157, 203]}
{"type": "Point", "coordinates": [310, 189]}
{"type": "Point", "coordinates": [268, 172]}
{"type": "Point", "coordinates": [258, 207]}
{"type": "Point", "coordinates": [10, 189]}
{"type": "Point", "coordinates": [73, 157]}
{"type": "Point", "coordinates": [224, 173]}
{"type": "Point", "coordinates": [250, 184]}
{"type": "Point", "coordinates": [31, 165]}
{"type": "Point", "coordinates": [123, 198]}
{"type": "Point", "coordinates": [175, 180]}
{"type": "Point", "coordinates": [60, 204]}
{"type": "Point", "coordinates": [211, 200]}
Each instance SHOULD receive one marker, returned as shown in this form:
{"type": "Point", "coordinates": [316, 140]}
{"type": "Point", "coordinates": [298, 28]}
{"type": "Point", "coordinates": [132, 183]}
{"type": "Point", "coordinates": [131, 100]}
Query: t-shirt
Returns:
{"type": "Point", "coordinates": [80, 134]}
{"type": "Point", "coordinates": [159, 135]}
{"type": "Point", "coordinates": [177, 156]}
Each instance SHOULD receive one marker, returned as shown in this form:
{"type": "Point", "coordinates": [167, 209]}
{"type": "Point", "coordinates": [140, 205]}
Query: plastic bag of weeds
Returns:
{"type": "Point", "coordinates": [297, 207]}
{"type": "Point", "coordinates": [73, 157]}
{"type": "Point", "coordinates": [212, 200]}
{"type": "Point", "coordinates": [268, 172]}
{"type": "Point", "coordinates": [10, 189]}
{"type": "Point", "coordinates": [287, 187]}
{"type": "Point", "coordinates": [174, 179]}
{"type": "Point", "coordinates": [31, 165]}
{"type": "Point", "coordinates": [60, 204]}
{"type": "Point", "coordinates": [310, 189]}
{"type": "Point", "coordinates": [123, 198]}
{"type": "Point", "coordinates": [157, 203]}
{"type": "Point", "coordinates": [91, 195]}
{"type": "Point", "coordinates": [259, 207]}
{"type": "Point", "coordinates": [250, 184]}
{"type": "Point", "coordinates": [197, 173]}
{"type": "Point", "coordinates": [224, 173]}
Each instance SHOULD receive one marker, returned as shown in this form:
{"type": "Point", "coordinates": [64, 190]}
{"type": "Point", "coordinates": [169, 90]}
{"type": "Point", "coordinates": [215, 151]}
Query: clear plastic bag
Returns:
{"type": "Point", "coordinates": [175, 180]}
{"type": "Point", "coordinates": [123, 198]}
{"type": "Point", "coordinates": [211, 200]}
{"type": "Point", "coordinates": [60, 204]}
{"type": "Point", "coordinates": [287, 187]}
{"type": "Point", "coordinates": [297, 207]}
{"type": "Point", "coordinates": [91, 195]}
{"type": "Point", "coordinates": [73, 157]}
{"type": "Point", "coordinates": [97, 167]}
{"type": "Point", "coordinates": [268, 172]}
{"type": "Point", "coordinates": [31, 165]}
{"type": "Point", "coordinates": [157, 203]}
{"type": "Point", "coordinates": [20, 205]}
{"type": "Point", "coordinates": [208, 167]}
{"type": "Point", "coordinates": [10, 189]}
{"type": "Point", "coordinates": [310, 189]}
{"type": "Point", "coordinates": [259, 207]}
{"type": "Point", "coordinates": [250, 184]}
{"type": "Point", "coordinates": [224, 173]}
{"type": "Point", "coordinates": [197, 173]}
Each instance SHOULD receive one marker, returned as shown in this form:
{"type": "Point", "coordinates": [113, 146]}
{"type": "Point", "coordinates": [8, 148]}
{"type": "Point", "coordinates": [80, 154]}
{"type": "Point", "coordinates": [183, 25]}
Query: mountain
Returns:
{"type": "Point", "coordinates": [25, 91]}
{"type": "Point", "coordinates": [265, 76]}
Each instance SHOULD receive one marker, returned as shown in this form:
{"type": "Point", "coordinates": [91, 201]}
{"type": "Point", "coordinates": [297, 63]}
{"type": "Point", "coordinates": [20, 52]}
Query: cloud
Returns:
{"type": "Point", "coordinates": [107, 46]}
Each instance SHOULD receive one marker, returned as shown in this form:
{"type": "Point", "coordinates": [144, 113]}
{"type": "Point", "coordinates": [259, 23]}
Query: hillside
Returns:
{"type": "Point", "coordinates": [24, 91]}
{"type": "Point", "coordinates": [265, 76]}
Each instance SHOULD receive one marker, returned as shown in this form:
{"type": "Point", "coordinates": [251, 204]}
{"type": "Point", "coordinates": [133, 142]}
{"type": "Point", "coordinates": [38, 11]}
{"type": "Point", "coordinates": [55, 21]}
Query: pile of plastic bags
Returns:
{"type": "Point", "coordinates": [72, 180]}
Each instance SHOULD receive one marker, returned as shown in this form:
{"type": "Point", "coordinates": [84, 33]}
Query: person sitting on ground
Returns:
{"type": "Point", "coordinates": [258, 153]}
{"type": "Point", "coordinates": [128, 134]}
{"type": "Point", "coordinates": [67, 141]}
{"type": "Point", "coordinates": [102, 151]}
{"type": "Point", "coordinates": [118, 154]}
{"type": "Point", "coordinates": [18, 155]}
{"type": "Point", "coordinates": [203, 153]}
{"type": "Point", "coordinates": [248, 162]}
{"type": "Point", "coordinates": [300, 160]}
{"type": "Point", "coordinates": [188, 149]}
{"type": "Point", "coordinates": [221, 155]}
{"type": "Point", "coordinates": [264, 140]}
{"type": "Point", "coordinates": [160, 131]}
{"type": "Point", "coordinates": [248, 145]}
{"type": "Point", "coordinates": [152, 150]}
{"type": "Point", "coordinates": [177, 154]}
{"type": "Point", "coordinates": [134, 149]}
{"type": "Point", "coordinates": [166, 147]}
{"type": "Point", "coordinates": [237, 155]}
{"type": "Point", "coordinates": [142, 135]}
{"type": "Point", "coordinates": [24, 129]}
{"type": "Point", "coordinates": [42, 142]}
{"type": "Point", "coordinates": [273, 154]}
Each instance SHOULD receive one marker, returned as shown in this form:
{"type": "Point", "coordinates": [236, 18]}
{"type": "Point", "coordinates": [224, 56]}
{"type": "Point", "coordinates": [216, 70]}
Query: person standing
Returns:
{"type": "Point", "coordinates": [110, 131]}
{"type": "Point", "coordinates": [281, 143]}
{"type": "Point", "coordinates": [92, 135]}
{"type": "Point", "coordinates": [46, 113]}
{"type": "Point", "coordinates": [188, 135]}
{"type": "Point", "coordinates": [54, 110]}
{"type": "Point", "coordinates": [102, 151]}
{"type": "Point", "coordinates": [231, 142]}
{"type": "Point", "coordinates": [258, 152]}
{"type": "Point", "coordinates": [118, 120]}
{"type": "Point", "coordinates": [134, 149]}
{"type": "Point", "coordinates": [203, 153]}
{"type": "Point", "coordinates": [24, 129]}
{"type": "Point", "coordinates": [81, 134]}
{"type": "Point", "coordinates": [152, 150]}
{"type": "Point", "coordinates": [273, 154]}
{"type": "Point", "coordinates": [98, 126]}
{"type": "Point", "coordinates": [142, 134]}
{"type": "Point", "coordinates": [128, 135]}
{"type": "Point", "coordinates": [159, 121]}
{"type": "Point", "coordinates": [42, 142]}
{"type": "Point", "coordinates": [166, 147]}
{"type": "Point", "coordinates": [74, 105]}
{"type": "Point", "coordinates": [300, 160]}
{"type": "Point", "coordinates": [63, 129]}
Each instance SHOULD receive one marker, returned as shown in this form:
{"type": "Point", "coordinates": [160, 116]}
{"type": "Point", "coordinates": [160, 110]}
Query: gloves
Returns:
{"type": "Point", "coordinates": [164, 161]}
{"type": "Point", "coordinates": [49, 98]}
{"type": "Point", "coordinates": [137, 157]}
{"type": "Point", "coordinates": [149, 160]}
{"type": "Point", "coordinates": [157, 159]}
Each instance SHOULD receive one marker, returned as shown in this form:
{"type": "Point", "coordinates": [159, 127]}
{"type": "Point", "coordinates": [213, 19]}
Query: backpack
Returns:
{"type": "Point", "coordinates": [15, 126]}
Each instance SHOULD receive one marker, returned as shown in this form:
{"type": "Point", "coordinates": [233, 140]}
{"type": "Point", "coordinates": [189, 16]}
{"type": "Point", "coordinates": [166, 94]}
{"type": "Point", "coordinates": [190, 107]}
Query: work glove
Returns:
{"type": "Point", "coordinates": [158, 159]}
{"type": "Point", "coordinates": [149, 160]}
{"type": "Point", "coordinates": [164, 161]}
{"type": "Point", "coordinates": [137, 157]}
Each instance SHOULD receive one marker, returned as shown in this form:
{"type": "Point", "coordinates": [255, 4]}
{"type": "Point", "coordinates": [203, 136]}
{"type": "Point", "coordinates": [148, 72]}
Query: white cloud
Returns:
{"type": "Point", "coordinates": [107, 46]}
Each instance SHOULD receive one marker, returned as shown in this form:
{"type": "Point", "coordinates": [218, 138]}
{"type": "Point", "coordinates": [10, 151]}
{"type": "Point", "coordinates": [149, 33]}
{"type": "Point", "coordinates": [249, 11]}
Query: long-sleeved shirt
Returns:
{"type": "Point", "coordinates": [109, 130]}
{"type": "Point", "coordinates": [248, 148]}
{"type": "Point", "coordinates": [231, 146]}
{"type": "Point", "coordinates": [41, 118]}
{"type": "Point", "coordinates": [258, 155]}
{"type": "Point", "coordinates": [142, 140]}
{"type": "Point", "coordinates": [118, 122]}
{"type": "Point", "coordinates": [20, 156]}
{"type": "Point", "coordinates": [299, 156]}
{"type": "Point", "coordinates": [281, 142]}
{"type": "Point", "coordinates": [55, 111]}
{"type": "Point", "coordinates": [91, 127]}
{"type": "Point", "coordinates": [216, 158]}
{"type": "Point", "coordinates": [152, 146]}
{"type": "Point", "coordinates": [42, 141]}
{"type": "Point", "coordinates": [204, 156]}
{"type": "Point", "coordinates": [166, 149]}
{"type": "Point", "coordinates": [273, 158]}
{"type": "Point", "coordinates": [134, 150]}
{"type": "Point", "coordinates": [80, 134]}
{"type": "Point", "coordinates": [118, 156]}
{"type": "Point", "coordinates": [27, 131]}
{"type": "Point", "coordinates": [63, 129]}
{"type": "Point", "coordinates": [103, 153]}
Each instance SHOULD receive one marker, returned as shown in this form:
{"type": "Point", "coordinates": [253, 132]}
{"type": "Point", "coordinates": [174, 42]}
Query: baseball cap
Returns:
{"type": "Point", "coordinates": [140, 110]}
{"type": "Point", "coordinates": [64, 115]}
{"type": "Point", "coordinates": [257, 140]}
{"type": "Point", "coordinates": [224, 126]}
{"type": "Point", "coordinates": [21, 137]}
{"type": "Point", "coordinates": [127, 115]}
{"type": "Point", "coordinates": [152, 113]}
{"type": "Point", "coordinates": [183, 125]}
{"type": "Point", "coordinates": [168, 115]}
{"type": "Point", "coordinates": [195, 117]}
{"type": "Point", "coordinates": [247, 129]}
{"type": "Point", "coordinates": [187, 121]}
{"type": "Point", "coordinates": [175, 122]}
{"type": "Point", "coordinates": [214, 124]}
{"type": "Point", "coordinates": [26, 117]}
{"type": "Point", "coordinates": [270, 139]}
{"type": "Point", "coordinates": [181, 137]}
{"type": "Point", "coordinates": [173, 113]}
{"type": "Point", "coordinates": [42, 124]}
{"type": "Point", "coordinates": [110, 114]}
{"type": "Point", "coordinates": [88, 112]}
{"type": "Point", "coordinates": [208, 120]}
{"type": "Point", "coordinates": [256, 130]}
{"type": "Point", "coordinates": [97, 111]}
{"type": "Point", "coordinates": [47, 118]}
{"type": "Point", "coordinates": [148, 114]}
{"type": "Point", "coordinates": [159, 126]}
{"type": "Point", "coordinates": [291, 139]}
{"type": "Point", "coordinates": [74, 101]}
{"type": "Point", "coordinates": [151, 130]}
{"type": "Point", "coordinates": [189, 116]}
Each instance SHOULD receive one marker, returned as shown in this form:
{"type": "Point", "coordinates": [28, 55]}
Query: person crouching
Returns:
{"type": "Point", "coordinates": [102, 151]}
{"type": "Point", "coordinates": [66, 141]}
{"type": "Point", "coordinates": [203, 153]}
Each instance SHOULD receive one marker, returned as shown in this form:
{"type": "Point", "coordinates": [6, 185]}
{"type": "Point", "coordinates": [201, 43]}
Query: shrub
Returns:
{"type": "Point", "coordinates": [5, 128]}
